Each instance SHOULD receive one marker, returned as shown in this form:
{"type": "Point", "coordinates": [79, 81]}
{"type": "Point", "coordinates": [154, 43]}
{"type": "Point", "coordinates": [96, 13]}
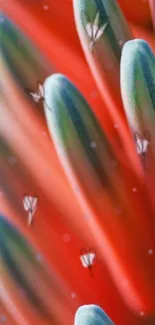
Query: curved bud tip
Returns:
{"type": "Point", "coordinates": [55, 77]}
{"type": "Point", "coordinates": [91, 315]}
{"type": "Point", "coordinates": [55, 80]}
{"type": "Point", "coordinates": [135, 47]}
{"type": "Point", "coordinates": [53, 91]}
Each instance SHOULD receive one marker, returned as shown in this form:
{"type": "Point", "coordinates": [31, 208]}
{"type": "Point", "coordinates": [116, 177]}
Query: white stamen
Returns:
{"type": "Point", "coordinates": [30, 204]}
{"type": "Point", "coordinates": [39, 94]}
{"type": "Point", "coordinates": [87, 259]}
{"type": "Point", "coordinates": [142, 144]}
{"type": "Point", "coordinates": [94, 31]}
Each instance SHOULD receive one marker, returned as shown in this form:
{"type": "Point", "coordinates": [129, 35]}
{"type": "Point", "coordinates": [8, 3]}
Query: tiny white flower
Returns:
{"type": "Point", "coordinates": [94, 31]}
{"type": "Point", "coordinates": [30, 204]}
{"type": "Point", "coordinates": [142, 144]}
{"type": "Point", "coordinates": [45, 7]}
{"type": "Point", "coordinates": [87, 258]}
{"type": "Point", "coordinates": [37, 96]}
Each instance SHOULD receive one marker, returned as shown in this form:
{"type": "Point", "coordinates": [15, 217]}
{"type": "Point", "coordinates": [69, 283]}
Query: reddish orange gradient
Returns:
{"type": "Point", "coordinates": [59, 228]}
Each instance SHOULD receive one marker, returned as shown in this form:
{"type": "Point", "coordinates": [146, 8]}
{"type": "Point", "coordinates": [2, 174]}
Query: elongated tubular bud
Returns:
{"type": "Point", "coordinates": [86, 157]}
{"type": "Point", "coordinates": [24, 280]}
{"type": "Point", "coordinates": [102, 30]}
{"type": "Point", "coordinates": [102, 22]}
{"type": "Point", "coordinates": [137, 87]}
{"type": "Point", "coordinates": [91, 315]}
{"type": "Point", "coordinates": [21, 56]}
{"type": "Point", "coordinates": [138, 94]}
{"type": "Point", "coordinates": [138, 84]}
{"type": "Point", "coordinates": [76, 128]}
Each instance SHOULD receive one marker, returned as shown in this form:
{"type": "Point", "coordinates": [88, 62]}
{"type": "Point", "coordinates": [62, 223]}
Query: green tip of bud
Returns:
{"type": "Point", "coordinates": [91, 315]}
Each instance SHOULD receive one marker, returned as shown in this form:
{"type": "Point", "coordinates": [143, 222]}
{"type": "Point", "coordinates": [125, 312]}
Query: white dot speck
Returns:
{"type": "Point", "coordinates": [142, 313]}
{"type": "Point", "coordinates": [125, 283]}
{"type": "Point", "coordinates": [94, 94]}
{"type": "Point", "coordinates": [76, 188]}
{"type": "Point", "coordinates": [93, 145]}
{"type": "Point", "coordinates": [134, 189]}
{"type": "Point", "coordinates": [73, 295]}
{"type": "Point", "coordinates": [3, 318]}
{"type": "Point", "coordinates": [121, 42]}
{"type": "Point", "coordinates": [45, 7]}
{"type": "Point", "coordinates": [66, 238]}
{"type": "Point", "coordinates": [116, 126]}
{"type": "Point", "coordinates": [38, 257]}
{"type": "Point", "coordinates": [44, 134]}
{"type": "Point", "coordinates": [150, 251]}
{"type": "Point", "coordinates": [12, 160]}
